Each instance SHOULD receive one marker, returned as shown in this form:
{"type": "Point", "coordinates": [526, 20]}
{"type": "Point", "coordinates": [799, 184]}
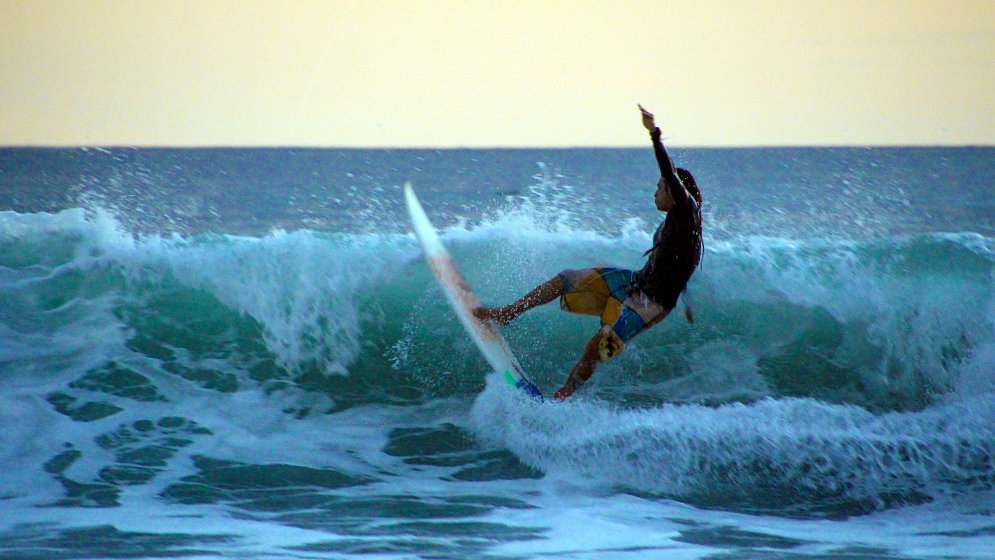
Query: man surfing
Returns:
{"type": "Point", "coordinates": [628, 302]}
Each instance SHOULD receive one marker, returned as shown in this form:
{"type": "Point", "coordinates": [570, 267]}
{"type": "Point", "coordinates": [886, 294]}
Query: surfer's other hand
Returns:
{"type": "Point", "coordinates": [648, 121]}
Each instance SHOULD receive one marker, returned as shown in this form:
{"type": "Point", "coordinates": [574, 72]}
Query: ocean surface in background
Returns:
{"type": "Point", "coordinates": [241, 353]}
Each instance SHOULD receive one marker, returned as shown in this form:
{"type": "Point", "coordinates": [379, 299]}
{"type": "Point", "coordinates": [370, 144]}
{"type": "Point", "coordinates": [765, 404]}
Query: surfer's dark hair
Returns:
{"type": "Point", "coordinates": [690, 184]}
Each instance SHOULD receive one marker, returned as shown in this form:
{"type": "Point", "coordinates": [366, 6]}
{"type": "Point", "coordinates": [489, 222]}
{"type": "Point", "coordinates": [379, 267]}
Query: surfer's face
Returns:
{"type": "Point", "coordinates": [664, 202]}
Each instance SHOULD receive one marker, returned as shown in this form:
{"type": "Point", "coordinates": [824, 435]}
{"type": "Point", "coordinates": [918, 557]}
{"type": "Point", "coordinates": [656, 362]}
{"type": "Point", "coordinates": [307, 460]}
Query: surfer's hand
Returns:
{"type": "Point", "coordinates": [648, 121]}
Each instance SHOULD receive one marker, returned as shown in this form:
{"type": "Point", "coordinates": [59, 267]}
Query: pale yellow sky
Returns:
{"type": "Point", "coordinates": [450, 73]}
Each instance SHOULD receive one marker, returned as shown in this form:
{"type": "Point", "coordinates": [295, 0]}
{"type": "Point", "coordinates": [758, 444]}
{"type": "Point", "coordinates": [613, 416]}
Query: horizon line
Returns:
{"type": "Point", "coordinates": [482, 148]}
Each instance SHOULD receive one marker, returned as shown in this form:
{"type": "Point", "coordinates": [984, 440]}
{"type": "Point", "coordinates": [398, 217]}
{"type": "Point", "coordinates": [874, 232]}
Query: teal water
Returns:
{"type": "Point", "coordinates": [217, 353]}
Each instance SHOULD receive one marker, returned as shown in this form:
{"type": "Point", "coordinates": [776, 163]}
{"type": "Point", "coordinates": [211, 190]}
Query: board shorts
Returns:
{"type": "Point", "coordinates": [608, 293]}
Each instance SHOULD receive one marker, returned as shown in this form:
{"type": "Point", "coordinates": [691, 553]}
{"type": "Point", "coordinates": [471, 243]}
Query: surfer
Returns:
{"type": "Point", "coordinates": [628, 302]}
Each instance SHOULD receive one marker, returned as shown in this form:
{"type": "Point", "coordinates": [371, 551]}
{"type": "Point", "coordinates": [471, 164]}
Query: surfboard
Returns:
{"type": "Point", "coordinates": [461, 298]}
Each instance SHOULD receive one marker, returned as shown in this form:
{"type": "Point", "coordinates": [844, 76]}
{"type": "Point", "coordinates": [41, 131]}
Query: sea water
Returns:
{"type": "Point", "coordinates": [241, 353]}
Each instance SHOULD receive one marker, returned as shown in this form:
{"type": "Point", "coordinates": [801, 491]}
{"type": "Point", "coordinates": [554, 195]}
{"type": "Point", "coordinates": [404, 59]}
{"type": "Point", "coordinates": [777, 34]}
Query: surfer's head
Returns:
{"type": "Point", "coordinates": [665, 202]}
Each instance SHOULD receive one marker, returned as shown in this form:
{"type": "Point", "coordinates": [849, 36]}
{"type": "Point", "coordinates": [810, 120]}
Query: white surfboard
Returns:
{"type": "Point", "coordinates": [463, 301]}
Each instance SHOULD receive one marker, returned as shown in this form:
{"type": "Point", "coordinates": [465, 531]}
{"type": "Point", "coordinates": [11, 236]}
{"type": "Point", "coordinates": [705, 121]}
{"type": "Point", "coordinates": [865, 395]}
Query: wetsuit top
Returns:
{"type": "Point", "coordinates": [677, 246]}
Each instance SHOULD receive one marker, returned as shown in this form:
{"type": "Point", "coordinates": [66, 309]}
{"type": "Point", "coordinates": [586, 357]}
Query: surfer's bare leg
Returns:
{"type": "Point", "coordinates": [584, 368]}
{"type": "Point", "coordinates": [540, 295]}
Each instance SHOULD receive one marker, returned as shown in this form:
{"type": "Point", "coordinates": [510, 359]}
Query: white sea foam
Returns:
{"type": "Point", "coordinates": [798, 447]}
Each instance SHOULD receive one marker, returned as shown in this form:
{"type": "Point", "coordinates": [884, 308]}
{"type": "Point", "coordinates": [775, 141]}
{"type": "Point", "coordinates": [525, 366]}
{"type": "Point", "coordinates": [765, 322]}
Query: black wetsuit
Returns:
{"type": "Point", "coordinates": [677, 246]}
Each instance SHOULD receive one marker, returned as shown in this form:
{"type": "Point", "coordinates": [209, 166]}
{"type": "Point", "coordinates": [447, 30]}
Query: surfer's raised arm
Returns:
{"type": "Point", "coordinates": [667, 170]}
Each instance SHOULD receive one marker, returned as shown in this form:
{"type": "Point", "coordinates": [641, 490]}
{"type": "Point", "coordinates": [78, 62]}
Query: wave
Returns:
{"type": "Point", "coordinates": [858, 370]}
{"type": "Point", "coordinates": [887, 323]}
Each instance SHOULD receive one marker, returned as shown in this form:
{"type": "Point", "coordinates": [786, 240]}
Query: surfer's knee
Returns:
{"type": "Point", "coordinates": [608, 344]}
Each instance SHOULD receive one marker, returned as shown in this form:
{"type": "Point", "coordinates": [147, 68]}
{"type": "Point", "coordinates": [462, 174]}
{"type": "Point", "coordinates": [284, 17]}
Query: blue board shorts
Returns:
{"type": "Point", "coordinates": [607, 293]}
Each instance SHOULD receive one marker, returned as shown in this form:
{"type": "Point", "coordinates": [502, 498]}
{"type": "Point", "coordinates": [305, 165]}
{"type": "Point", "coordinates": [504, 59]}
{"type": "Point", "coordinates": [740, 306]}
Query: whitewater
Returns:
{"type": "Point", "coordinates": [241, 353]}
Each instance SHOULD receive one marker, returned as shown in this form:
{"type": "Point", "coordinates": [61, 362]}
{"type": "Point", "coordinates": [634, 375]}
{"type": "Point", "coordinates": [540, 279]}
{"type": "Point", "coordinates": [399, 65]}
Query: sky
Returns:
{"type": "Point", "coordinates": [501, 73]}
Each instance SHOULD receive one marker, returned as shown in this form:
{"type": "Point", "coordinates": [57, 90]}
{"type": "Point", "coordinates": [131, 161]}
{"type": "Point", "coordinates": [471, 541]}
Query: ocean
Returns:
{"type": "Point", "coordinates": [241, 353]}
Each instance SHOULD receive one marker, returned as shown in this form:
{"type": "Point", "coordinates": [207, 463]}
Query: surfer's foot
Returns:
{"type": "Point", "coordinates": [497, 314]}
